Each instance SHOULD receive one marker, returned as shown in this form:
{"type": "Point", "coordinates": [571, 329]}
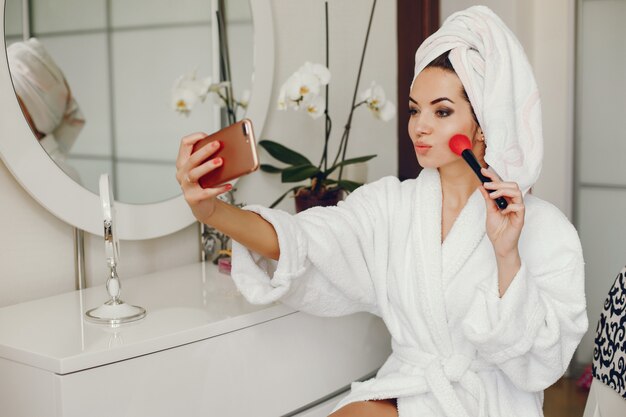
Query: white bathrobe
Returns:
{"type": "Point", "coordinates": [458, 348]}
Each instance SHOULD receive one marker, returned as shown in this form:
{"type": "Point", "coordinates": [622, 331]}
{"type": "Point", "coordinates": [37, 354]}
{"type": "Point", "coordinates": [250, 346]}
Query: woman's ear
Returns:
{"type": "Point", "coordinates": [480, 135]}
{"type": "Point", "coordinates": [480, 146]}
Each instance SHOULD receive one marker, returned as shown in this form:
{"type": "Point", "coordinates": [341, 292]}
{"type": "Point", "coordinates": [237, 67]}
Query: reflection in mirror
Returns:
{"type": "Point", "coordinates": [46, 100]}
{"type": "Point", "coordinates": [120, 61]}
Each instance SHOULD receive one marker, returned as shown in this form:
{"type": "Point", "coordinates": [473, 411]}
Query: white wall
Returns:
{"type": "Point", "coordinates": [601, 173]}
{"type": "Point", "coordinates": [553, 52]}
{"type": "Point", "coordinates": [36, 249]}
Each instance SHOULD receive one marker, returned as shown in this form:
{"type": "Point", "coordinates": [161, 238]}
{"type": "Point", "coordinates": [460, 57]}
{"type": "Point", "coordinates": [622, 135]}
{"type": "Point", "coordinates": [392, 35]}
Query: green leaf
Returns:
{"type": "Point", "coordinates": [349, 162]}
{"type": "Point", "coordinates": [284, 154]}
{"type": "Point", "coordinates": [349, 186]}
{"type": "Point", "coordinates": [270, 168]}
{"type": "Point", "coordinates": [275, 203]}
{"type": "Point", "coordinates": [299, 173]}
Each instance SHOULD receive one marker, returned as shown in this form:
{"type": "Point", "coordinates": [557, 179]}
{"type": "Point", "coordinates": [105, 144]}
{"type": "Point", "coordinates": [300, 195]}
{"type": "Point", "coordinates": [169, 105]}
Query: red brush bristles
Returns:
{"type": "Point", "coordinates": [459, 143]}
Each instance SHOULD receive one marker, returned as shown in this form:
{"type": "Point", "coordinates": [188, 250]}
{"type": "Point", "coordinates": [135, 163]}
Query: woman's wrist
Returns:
{"type": "Point", "coordinates": [508, 267]}
{"type": "Point", "coordinates": [506, 255]}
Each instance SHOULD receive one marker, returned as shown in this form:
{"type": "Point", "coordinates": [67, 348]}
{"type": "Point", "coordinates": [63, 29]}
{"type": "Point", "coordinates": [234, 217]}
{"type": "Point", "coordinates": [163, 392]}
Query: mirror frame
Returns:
{"type": "Point", "coordinates": [81, 208]}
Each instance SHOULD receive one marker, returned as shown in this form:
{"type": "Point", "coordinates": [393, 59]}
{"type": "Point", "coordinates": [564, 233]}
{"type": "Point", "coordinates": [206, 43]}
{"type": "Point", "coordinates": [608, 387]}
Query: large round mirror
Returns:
{"type": "Point", "coordinates": [122, 63]}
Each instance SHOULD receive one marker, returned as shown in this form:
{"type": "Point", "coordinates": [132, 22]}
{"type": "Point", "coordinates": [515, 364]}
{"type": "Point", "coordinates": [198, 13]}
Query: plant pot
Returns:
{"type": "Point", "coordinates": [305, 199]}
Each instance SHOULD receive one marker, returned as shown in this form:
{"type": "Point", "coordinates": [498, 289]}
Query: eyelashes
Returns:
{"type": "Point", "coordinates": [444, 112]}
{"type": "Point", "coordinates": [441, 113]}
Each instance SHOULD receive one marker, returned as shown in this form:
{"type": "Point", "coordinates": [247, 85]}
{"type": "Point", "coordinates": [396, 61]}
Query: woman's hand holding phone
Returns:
{"type": "Point", "coordinates": [190, 167]}
{"type": "Point", "coordinates": [199, 165]}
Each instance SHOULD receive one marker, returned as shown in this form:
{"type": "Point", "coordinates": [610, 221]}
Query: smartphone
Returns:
{"type": "Point", "coordinates": [237, 150]}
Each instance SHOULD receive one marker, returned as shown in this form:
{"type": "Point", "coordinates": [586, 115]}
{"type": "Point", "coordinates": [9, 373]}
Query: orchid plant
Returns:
{"type": "Point", "coordinates": [303, 91]}
{"type": "Point", "coordinates": [188, 90]}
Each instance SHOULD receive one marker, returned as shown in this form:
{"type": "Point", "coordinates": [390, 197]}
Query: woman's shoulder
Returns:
{"type": "Point", "coordinates": [548, 233]}
{"type": "Point", "coordinates": [543, 213]}
{"type": "Point", "coordinates": [385, 194]}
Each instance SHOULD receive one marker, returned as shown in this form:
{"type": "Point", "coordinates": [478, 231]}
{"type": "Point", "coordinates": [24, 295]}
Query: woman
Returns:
{"type": "Point", "coordinates": [485, 307]}
{"type": "Point", "coordinates": [46, 100]}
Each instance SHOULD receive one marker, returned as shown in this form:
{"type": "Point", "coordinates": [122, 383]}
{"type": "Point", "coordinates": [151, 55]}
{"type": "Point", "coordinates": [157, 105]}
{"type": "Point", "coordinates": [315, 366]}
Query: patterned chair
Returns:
{"type": "Point", "coordinates": [607, 397]}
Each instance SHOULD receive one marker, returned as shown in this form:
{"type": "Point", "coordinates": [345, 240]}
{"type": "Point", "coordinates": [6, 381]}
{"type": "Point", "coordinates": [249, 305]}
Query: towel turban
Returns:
{"type": "Point", "coordinates": [501, 87]}
{"type": "Point", "coordinates": [41, 86]}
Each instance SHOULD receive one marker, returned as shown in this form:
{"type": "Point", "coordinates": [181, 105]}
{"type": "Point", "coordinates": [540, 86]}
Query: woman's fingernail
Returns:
{"type": "Point", "coordinates": [217, 161]}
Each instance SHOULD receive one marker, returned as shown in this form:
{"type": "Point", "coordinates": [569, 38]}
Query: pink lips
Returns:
{"type": "Point", "coordinates": [421, 149]}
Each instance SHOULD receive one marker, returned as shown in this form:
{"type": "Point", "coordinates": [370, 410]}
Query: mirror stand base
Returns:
{"type": "Point", "coordinates": [115, 312]}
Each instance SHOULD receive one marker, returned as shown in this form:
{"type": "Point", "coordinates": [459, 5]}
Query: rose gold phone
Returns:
{"type": "Point", "coordinates": [238, 151]}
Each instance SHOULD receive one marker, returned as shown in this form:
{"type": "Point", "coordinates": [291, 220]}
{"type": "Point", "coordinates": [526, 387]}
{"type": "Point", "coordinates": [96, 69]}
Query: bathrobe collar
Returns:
{"type": "Point", "coordinates": [438, 263]}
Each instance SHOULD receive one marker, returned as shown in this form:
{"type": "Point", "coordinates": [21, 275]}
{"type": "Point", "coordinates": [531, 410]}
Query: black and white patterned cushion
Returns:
{"type": "Point", "coordinates": [609, 352]}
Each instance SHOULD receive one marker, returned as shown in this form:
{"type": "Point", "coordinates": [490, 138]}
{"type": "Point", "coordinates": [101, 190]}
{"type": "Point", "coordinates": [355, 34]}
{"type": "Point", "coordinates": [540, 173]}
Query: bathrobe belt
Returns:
{"type": "Point", "coordinates": [437, 374]}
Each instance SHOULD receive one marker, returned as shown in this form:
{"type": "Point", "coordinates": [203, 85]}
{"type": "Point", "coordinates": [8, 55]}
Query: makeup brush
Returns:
{"type": "Point", "coordinates": [462, 146]}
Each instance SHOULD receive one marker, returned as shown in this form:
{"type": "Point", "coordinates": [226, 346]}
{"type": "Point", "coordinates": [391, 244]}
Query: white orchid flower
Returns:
{"type": "Point", "coordinates": [316, 107]}
{"type": "Point", "coordinates": [245, 99]}
{"type": "Point", "coordinates": [242, 104]}
{"type": "Point", "coordinates": [219, 93]}
{"type": "Point", "coordinates": [282, 98]}
{"type": "Point", "coordinates": [386, 112]}
{"type": "Point", "coordinates": [376, 101]}
{"type": "Point", "coordinates": [292, 90]}
{"type": "Point", "coordinates": [216, 88]}
{"type": "Point", "coordinates": [188, 90]}
{"type": "Point", "coordinates": [303, 86]}
{"type": "Point", "coordinates": [183, 101]}
{"type": "Point", "coordinates": [320, 71]}
{"type": "Point", "coordinates": [374, 96]}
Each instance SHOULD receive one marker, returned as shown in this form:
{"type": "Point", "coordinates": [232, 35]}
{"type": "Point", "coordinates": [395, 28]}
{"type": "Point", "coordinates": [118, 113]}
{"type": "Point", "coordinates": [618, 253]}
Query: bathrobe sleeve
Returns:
{"type": "Point", "coordinates": [532, 331]}
{"type": "Point", "coordinates": [327, 258]}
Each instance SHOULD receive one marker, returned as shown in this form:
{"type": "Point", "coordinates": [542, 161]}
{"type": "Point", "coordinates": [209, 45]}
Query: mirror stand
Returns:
{"type": "Point", "coordinates": [79, 258]}
{"type": "Point", "coordinates": [115, 311]}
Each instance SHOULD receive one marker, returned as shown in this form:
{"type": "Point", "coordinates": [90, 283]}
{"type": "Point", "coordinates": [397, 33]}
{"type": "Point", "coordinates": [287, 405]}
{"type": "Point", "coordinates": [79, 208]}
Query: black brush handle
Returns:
{"type": "Point", "coordinates": [469, 157]}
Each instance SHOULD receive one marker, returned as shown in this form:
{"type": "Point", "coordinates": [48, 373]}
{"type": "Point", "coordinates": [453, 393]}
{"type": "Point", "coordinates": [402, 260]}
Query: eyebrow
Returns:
{"type": "Point", "coordinates": [435, 101]}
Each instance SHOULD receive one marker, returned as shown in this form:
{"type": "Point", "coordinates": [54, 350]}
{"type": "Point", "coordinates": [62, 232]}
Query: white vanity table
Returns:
{"type": "Point", "coordinates": [202, 350]}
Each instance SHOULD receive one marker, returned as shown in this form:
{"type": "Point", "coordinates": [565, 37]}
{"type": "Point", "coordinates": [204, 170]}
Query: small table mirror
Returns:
{"type": "Point", "coordinates": [115, 311]}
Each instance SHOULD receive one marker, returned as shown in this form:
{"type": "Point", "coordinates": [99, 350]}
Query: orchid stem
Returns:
{"type": "Point", "coordinates": [229, 110]}
{"type": "Point", "coordinates": [328, 127]}
{"type": "Point", "coordinates": [344, 140]}
{"type": "Point", "coordinates": [328, 124]}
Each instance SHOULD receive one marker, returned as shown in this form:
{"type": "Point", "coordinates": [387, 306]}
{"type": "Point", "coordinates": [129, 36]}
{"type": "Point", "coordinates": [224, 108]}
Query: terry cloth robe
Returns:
{"type": "Point", "coordinates": [459, 350]}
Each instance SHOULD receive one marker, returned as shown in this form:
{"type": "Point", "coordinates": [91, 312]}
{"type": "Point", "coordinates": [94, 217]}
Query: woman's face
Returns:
{"type": "Point", "coordinates": [437, 111]}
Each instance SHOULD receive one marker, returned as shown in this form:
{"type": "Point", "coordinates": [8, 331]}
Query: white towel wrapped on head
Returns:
{"type": "Point", "coordinates": [500, 84]}
{"type": "Point", "coordinates": [41, 86]}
